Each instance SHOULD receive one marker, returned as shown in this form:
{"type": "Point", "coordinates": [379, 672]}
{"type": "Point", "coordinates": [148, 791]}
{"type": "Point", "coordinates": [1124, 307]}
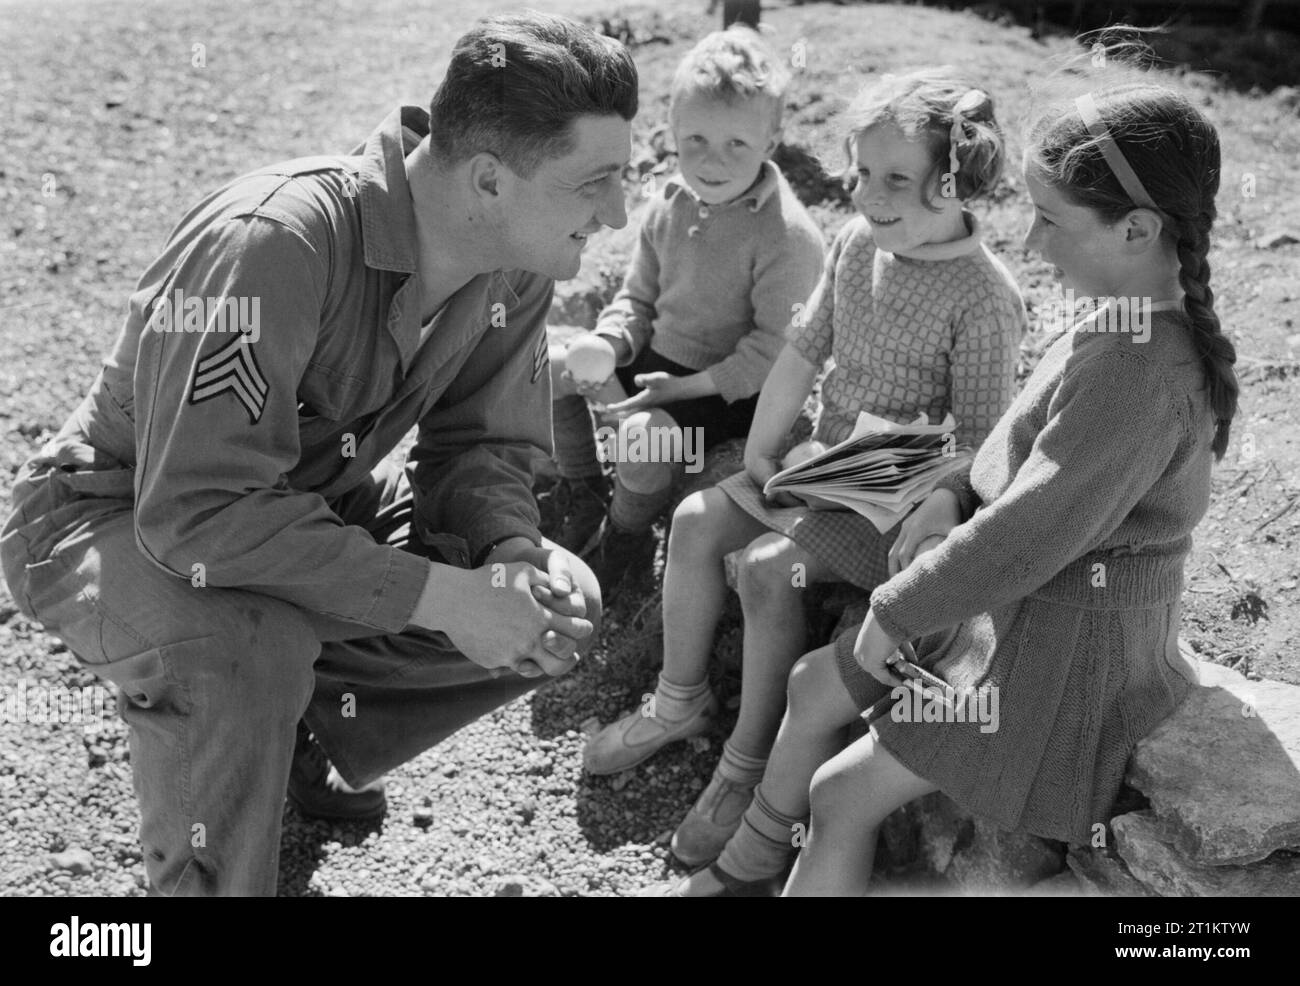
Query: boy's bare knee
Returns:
{"type": "Point", "coordinates": [645, 477]}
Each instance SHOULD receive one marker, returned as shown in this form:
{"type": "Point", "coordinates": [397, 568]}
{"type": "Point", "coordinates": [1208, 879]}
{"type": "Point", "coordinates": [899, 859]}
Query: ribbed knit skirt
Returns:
{"type": "Point", "coordinates": [845, 541]}
{"type": "Point", "coordinates": [1077, 687]}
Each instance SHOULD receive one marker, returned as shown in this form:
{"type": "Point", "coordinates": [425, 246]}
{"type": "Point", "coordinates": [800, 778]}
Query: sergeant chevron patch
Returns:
{"type": "Point", "coordinates": [541, 355]}
{"type": "Point", "coordinates": [232, 368]}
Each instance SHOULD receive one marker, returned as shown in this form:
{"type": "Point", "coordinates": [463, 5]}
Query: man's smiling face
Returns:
{"type": "Point", "coordinates": [545, 220]}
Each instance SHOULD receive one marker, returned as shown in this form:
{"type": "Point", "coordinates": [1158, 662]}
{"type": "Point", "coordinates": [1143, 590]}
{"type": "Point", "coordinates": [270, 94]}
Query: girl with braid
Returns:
{"type": "Point", "coordinates": [1052, 576]}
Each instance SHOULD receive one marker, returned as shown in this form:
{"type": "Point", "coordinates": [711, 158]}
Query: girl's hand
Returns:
{"type": "Point", "coordinates": [938, 514]}
{"type": "Point", "coordinates": [761, 467]}
{"type": "Point", "coordinates": [873, 648]}
{"type": "Point", "coordinates": [660, 388]}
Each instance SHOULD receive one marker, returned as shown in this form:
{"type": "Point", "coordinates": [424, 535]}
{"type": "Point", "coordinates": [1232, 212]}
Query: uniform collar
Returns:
{"type": "Point", "coordinates": [387, 216]}
{"type": "Point", "coordinates": [388, 230]}
{"type": "Point", "coordinates": [768, 182]}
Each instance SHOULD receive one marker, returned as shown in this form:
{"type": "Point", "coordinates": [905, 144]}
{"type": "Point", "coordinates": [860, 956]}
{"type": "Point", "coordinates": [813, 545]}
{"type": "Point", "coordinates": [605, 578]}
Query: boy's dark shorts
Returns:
{"type": "Point", "coordinates": [719, 419]}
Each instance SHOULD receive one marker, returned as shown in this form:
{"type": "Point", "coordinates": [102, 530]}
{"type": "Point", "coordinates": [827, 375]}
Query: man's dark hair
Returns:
{"type": "Point", "coordinates": [517, 81]}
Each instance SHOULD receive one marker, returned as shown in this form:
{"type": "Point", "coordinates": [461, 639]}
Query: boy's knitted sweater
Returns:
{"type": "Point", "coordinates": [713, 287]}
{"type": "Point", "coordinates": [935, 331]}
{"type": "Point", "coordinates": [1087, 490]}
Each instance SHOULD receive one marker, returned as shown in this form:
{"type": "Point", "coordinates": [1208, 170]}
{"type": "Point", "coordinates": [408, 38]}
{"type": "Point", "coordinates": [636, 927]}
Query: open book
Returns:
{"type": "Point", "coordinates": [879, 471]}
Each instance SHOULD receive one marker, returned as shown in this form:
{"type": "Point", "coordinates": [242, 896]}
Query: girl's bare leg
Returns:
{"type": "Point", "coordinates": [818, 710]}
{"type": "Point", "coordinates": [851, 795]}
{"type": "Point", "coordinates": [774, 574]}
{"type": "Point", "coordinates": [706, 527]}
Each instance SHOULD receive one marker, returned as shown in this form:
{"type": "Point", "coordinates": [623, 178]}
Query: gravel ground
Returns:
{"type": "Point", "coordinates": [116, 132]}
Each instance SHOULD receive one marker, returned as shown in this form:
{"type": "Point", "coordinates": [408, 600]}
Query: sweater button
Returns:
{"type": "Point", "coordinates": [704, 212]}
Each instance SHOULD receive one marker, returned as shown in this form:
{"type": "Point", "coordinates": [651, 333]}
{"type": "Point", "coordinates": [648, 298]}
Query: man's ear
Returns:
{"type": "Point", "coordinates": [487, 175]}
{"type": "Point", "coordinates": [1142, 229]}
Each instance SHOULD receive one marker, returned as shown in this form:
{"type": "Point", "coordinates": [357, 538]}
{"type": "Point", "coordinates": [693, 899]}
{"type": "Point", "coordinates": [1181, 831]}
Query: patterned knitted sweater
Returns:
{"type": "Point", "coordinates": [1086, 492]}
{"type": "Point", "coordinates": [714, 287]}
{"type": "Point", "coordinates": [935, 331]}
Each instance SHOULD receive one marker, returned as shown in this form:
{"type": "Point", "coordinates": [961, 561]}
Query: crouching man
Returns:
{"type": "Point", "coordinates": [215, 529]}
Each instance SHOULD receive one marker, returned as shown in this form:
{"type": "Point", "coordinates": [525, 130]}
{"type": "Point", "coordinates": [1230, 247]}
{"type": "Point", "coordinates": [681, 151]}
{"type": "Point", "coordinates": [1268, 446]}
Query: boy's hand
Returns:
{"type": "Point", "coordinates": [660, 388]}
{"type": "Point", "coordinates": [581, 387]}
{"type": "Point", "coordinates": [587, 351]}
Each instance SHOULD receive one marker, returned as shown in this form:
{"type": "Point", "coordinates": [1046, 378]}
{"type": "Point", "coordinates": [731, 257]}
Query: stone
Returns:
{"type": "Point", "coordinates": [1287, 96]}
{"type": "Point", "coordinates": [1224, 769]}
{"type": "Point", "coordinates": [1144, 841]}
{"type": "Point", "coordinates": [75, 861]}
{"type": "Point", "coordinates": [976, 855]}
{"type": "Point", "coordinates": [519, 885]}
{"type": "Point", "coordinates": [1100, 872]}
{"type": "Point", "coordinates": [1063, 884]}
{"type": "Point", "coordinates": [422, 817]}
{"type": "Point", "coordinates": [527, 810]}
{"type": "Point", "coordinates": [1277, 238]}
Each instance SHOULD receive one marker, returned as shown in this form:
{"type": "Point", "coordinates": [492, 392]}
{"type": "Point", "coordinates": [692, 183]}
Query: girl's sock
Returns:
{"type": "Point", "coordinates": [739, 768]}
{"type": "Point", "coordinates": [575, 439]}
{"type": "Point", "coordinates": [675, 702]}
{"type": "Point", "coordinates": [762, 845]}
{"type": "Point", "coordinates": [635, 513]}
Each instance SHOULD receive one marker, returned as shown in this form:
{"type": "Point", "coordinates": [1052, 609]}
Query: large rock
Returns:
{"type": "Point", "coordinates": [1102, 873]}
{"type": "Point", "coordinates": [1144, 842]}
{"type": "Point", "coordinates": [1064, 884]}
{"type": "Point", "coordinates": [1224, 770]}
{"type": "Point", "coordinates": [970, 853]}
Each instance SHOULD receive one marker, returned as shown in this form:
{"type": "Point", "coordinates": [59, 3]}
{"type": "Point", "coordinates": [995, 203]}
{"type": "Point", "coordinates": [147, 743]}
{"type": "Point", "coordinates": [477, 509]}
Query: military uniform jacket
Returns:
{"type": "Point", "coordinates": [298, 369]}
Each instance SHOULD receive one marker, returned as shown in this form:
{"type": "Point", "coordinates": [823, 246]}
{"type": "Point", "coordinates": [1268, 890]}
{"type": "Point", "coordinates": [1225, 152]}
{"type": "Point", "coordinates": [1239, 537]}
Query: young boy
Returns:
{"type": "Point", "coordinates": [725, 254]}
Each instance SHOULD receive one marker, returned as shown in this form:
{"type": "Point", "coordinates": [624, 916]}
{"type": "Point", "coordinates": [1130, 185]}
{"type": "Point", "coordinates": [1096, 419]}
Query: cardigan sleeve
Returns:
{"type": "Point", "coordinates": [1112, 428]}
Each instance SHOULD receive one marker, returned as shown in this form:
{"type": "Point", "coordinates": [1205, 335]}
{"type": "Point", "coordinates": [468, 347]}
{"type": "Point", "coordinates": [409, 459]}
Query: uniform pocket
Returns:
{"type": "Point", "coordinates": [150, 679]}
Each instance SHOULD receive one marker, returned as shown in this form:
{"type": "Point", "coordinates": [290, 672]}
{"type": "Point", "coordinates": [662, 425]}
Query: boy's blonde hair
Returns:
{"type": "Point", "coordinates": [953, 117]}
{"type": "Point", "coordinates": [732, 65]}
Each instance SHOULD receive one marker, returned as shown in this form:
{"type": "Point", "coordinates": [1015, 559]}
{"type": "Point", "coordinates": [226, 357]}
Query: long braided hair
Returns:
{"type": "Point", "coordinates": [1174, 150]}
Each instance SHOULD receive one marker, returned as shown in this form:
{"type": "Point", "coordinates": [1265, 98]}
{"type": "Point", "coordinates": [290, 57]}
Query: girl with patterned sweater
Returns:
{"type": "Point", "coordinates": [919, 317]}
{"type": "Point", "coordinates": [1058, 576]}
